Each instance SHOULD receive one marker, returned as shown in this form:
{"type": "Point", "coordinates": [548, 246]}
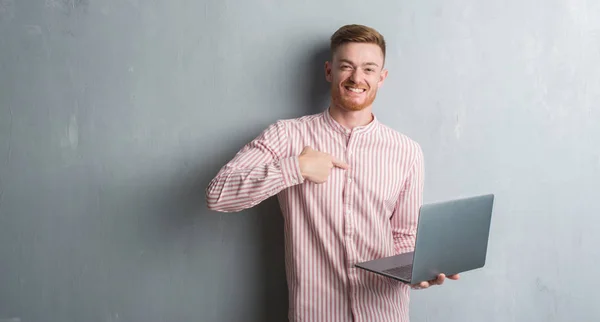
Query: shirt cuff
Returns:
{"type": "Point", "coordinates": [290, 169]}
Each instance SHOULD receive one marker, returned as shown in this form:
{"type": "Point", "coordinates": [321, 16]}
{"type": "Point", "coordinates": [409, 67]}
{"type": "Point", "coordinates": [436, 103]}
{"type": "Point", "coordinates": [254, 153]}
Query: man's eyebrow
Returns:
{"type": "Point", "coordinates": [351, 63]}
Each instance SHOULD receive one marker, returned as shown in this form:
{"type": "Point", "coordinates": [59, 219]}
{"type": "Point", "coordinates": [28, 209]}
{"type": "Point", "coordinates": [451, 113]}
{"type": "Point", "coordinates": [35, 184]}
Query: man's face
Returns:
{"type": "Point", "coordinates": [355, 73]}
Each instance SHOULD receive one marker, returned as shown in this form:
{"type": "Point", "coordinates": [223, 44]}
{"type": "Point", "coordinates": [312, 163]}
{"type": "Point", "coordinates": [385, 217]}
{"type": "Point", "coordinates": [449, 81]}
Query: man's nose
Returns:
{"type": "Point", "coordinates": [355, 77]}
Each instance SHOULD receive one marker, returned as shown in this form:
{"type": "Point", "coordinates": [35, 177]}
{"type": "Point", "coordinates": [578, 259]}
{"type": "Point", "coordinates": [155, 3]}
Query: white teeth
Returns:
{"type": "Point", "coordinates": [356, 90]}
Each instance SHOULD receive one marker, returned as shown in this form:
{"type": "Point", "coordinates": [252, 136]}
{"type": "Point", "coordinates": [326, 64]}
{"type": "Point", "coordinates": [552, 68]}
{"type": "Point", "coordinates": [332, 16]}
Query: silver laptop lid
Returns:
{"type": "Point", "coordinates": [452, 236]}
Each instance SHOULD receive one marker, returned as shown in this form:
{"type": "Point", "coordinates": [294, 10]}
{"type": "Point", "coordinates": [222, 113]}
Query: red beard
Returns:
{"type": "Point", "coordinates": [350, 102]}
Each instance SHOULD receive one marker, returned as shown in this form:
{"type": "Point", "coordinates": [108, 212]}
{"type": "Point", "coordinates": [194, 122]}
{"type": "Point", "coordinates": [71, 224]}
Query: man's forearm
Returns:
{"type": "Point", "coordinates": [234, 190]}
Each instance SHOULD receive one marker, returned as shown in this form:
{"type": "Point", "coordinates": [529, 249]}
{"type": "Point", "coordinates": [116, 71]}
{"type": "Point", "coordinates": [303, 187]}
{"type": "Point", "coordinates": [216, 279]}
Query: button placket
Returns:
{"type": "Point", "coordinates": [350, 193]}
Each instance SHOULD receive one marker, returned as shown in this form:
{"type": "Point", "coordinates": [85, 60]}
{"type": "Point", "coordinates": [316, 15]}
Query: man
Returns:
{"type": "Point", "coordinates": [349, 187]}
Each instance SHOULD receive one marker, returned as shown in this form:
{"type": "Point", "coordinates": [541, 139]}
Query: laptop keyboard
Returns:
{"type": "Point", "coordinates": [402, 271]}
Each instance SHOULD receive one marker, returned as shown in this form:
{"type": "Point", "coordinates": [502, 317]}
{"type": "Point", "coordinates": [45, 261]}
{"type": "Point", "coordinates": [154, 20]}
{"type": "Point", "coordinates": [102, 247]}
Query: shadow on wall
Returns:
{"type": "Point", "coordinates": [315, 96]}
{"type": "Point", "coordinates": [188, 209]}
{"type": "Point", "coordinates": [184, 211]}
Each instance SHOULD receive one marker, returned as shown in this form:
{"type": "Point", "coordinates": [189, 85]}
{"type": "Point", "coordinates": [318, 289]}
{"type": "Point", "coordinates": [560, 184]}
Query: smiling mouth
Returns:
{"type": "Point", "coordinates": [355, 89]}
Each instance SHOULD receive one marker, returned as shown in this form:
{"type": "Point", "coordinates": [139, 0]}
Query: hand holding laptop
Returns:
{"type": "Point", "coordinates": [461, 226]}
{"type": "Point", "coordinates": [439, 281]}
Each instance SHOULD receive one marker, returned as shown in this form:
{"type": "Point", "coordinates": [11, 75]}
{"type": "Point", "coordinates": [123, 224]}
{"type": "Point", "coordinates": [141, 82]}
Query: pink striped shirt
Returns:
{"type": "Point", "coordinates": [365, 212]}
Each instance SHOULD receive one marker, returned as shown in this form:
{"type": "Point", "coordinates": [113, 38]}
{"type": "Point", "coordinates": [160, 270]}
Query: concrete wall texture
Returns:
{"type": "Point", "coordinates": [114, 115]}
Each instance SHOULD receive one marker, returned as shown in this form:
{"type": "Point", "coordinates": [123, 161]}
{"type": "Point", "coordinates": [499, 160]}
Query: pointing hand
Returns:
{"type": "Point", "coordinates": [316, 166]}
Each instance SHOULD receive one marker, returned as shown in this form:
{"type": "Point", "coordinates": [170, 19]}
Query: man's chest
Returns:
{"type": "Point", "coordinates": [375, 179]}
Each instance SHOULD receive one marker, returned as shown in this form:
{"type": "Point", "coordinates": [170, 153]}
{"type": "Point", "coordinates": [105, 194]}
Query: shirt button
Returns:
{"type": "Point", "coordinates": [349, 180]}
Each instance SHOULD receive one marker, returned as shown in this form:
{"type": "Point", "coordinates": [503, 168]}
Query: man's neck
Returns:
{"type": "Point", "coordinates": [351, 119]}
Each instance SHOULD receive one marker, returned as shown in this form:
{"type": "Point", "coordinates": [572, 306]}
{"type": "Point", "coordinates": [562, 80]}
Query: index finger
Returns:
{"type": "Point", "coordinates": [340, 164]}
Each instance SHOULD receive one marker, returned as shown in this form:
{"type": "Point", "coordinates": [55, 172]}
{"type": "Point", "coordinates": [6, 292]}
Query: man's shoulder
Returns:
{"type": "Point", "coordinates": [402, 140]}
{"type": "Point", "coordinates": [293, 125]}
{"type": "Point", "coordinates": [300, 120]}
{"type": "Point", "coordinates": [299, 123]}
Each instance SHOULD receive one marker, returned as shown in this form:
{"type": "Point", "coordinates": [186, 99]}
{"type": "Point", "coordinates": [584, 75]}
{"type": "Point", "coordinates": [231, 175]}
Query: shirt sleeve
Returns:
{"type": "Point", "coordinates": [406, 214]}
{"type": "Point", "coordinates": [261, 169]}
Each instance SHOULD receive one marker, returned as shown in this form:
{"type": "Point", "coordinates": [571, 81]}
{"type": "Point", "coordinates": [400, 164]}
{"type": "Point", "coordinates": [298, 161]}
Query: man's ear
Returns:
{"type": "Point", "coordinates": [328, 75]}
{"type": "Point", "coordinates": [382, 77]}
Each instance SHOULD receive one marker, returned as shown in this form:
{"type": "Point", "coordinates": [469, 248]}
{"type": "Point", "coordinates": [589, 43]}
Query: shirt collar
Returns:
{"type": "Point", "coordinates": [340, 128]}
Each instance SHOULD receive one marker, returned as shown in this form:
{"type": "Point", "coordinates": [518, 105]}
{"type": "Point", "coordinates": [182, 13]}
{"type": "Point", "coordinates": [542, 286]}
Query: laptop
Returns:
{"type": "Point", "coordinates": [452, 237]}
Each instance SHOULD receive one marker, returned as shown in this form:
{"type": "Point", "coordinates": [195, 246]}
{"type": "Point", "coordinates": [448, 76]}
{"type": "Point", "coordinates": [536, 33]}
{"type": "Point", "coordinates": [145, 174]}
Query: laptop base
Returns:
{"type": "Point", "coordinates": [398, 267]}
